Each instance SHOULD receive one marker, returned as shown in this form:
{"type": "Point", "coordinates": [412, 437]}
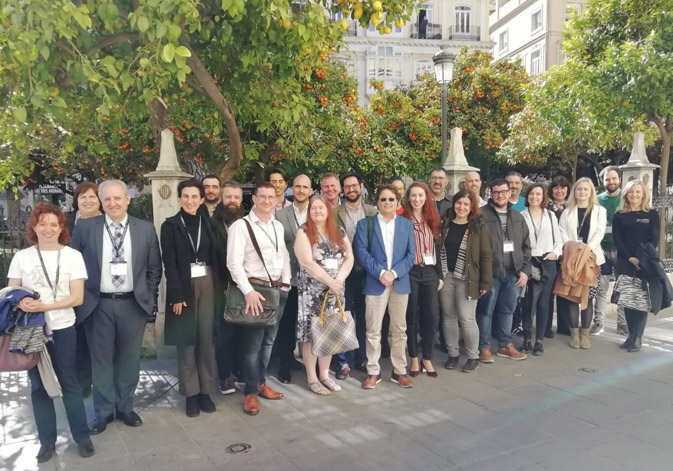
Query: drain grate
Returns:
{"type": "Point", "coordinates": [590, 371]}
{"type": "Point", "coordinates": [239, 448]}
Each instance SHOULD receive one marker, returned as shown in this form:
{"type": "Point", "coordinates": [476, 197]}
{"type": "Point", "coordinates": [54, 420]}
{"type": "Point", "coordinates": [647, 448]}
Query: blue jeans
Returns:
{"type": "Point", "coordinates": [62, 352]}
{"type": "Point", "coordinates": [257, 346]}
{"type": "Point", "coordinates": [501, 301]}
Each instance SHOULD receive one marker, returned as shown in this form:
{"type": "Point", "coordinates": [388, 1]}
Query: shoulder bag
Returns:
{"type": "Point", "coordinates": [333, 333]}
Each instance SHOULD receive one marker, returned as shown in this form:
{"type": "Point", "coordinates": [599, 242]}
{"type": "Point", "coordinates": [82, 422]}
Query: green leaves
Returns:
{"type": "Point", "coordinates": [168, 52]}
{"type": "Point", "coordinates": [19, 115]}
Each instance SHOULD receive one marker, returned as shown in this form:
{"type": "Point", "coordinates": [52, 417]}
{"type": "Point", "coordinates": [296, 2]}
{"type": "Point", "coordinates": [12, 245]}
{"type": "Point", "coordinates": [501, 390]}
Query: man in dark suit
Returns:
{"type": "Point", "coordinates": [385, 247]}
{"type": "Point", "coordinates": [122, 258]}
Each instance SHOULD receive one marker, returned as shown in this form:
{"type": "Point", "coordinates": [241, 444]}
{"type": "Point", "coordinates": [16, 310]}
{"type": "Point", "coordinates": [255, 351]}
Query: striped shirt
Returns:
{"type": "Point", "coordinates": [425, 242]}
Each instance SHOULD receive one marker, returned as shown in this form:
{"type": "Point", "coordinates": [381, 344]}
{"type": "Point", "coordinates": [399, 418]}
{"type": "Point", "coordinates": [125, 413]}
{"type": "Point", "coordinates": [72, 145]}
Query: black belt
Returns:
{"type": "Point", "coordinates": [116, 296]}
{"type": "Point", "coordinates": [276, 284]}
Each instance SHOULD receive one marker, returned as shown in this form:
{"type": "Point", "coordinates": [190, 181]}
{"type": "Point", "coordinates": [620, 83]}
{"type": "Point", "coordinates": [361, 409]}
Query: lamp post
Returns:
{"type": "Point", "coordinates": [443, 74]}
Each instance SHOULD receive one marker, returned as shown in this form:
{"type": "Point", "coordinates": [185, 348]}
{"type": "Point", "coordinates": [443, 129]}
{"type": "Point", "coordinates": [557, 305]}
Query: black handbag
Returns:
{"type": "Point", "coordinates": [234, 311]}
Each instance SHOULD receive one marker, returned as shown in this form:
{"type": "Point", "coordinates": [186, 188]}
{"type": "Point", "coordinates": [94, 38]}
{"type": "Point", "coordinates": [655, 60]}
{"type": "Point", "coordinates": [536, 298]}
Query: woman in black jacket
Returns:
{"type": "Point", "coordinates": [189, 249]}
{"type": "Point", "coordinates": [634, 223]}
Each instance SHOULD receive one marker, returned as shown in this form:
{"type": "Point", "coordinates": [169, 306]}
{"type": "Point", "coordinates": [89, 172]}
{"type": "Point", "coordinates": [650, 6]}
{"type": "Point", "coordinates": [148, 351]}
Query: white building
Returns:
{"type": "Point", "coordinates": [531, 31]}
{"type": "Point", "coordinates": [404, 54]}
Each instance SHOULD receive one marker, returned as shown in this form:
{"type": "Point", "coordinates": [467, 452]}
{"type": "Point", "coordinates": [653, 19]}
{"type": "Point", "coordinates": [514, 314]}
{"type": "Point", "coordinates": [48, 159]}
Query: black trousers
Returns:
{"type": "Point", "coordinates": [228, 345]}
{"type": "Point", "coordinates": [83, 360]}
{"type": "Point", "coordinates": [636, 321]}
{"type": "Point", "coordinates": [286, 338]}
{"type": "Point", "coordinates": [422, 309]}
{"type": "Point", "coordinates": [536, 303]}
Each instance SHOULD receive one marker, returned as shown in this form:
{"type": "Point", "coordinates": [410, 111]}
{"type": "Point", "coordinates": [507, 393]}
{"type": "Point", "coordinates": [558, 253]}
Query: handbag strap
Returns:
{"type": "Point", "coordinates": [322, 309]}
{"type": "Point", "coordinates": [253, 239]}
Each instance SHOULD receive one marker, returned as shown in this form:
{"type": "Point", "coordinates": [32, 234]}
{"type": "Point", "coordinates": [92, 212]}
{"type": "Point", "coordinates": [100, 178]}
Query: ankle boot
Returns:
{"type": "Point", "coordinates": [628, 342]}
{"type": "Point", "coordinates": [574, 337]}
{"type": "Point", "coordinates": [637, 344]}
{"type": "Point", "coordinates": [584, 339]}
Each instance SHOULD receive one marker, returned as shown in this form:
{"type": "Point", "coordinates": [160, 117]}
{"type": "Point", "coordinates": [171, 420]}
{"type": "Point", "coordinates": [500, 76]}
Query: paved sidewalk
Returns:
{"type": "Point", "coordinates": [601, 409]}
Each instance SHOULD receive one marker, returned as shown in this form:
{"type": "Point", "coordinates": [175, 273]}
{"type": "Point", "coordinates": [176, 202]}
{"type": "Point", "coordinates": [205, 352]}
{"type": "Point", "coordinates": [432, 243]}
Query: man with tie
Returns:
{"type": "Point", "coordinates": [121, 253]}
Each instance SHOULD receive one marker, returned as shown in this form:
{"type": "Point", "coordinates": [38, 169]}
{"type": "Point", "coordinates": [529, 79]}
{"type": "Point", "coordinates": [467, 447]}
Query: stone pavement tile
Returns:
{"type": "Point", "coordinates": [109, 446]}
{"type": "Point", "coordinates": [556, 424]}
{"type": "Point", "coordinates": [158, 429]}
{"type": "Point", "coordinates": [655, 390]}
{"type": "Point", "coordinates": [331, 459]}
{"type": "Point", "coordinates": [400, 452]}
{"type": "Point", "coordinates": [469, 415]}
{"type": "Point", "coordinates": [18, 422]}
{"type": "Point", "coordinates": [508, 460]}
{"type": "Point", "coordinates": [304, 438]}
{"type": "Point", "coordinates": [178, 456]}
{"type": "Point", "coordinates": [117, 463]}
{"type": "Point", "coordinates": [514, 435]}
{"type": "Point", "coordinates": [634, 453]}
{"type": "Point", "coordinates": [590, 411]}
{"type": "Point", "coordinates": [657, 435]}
{"type": "Point", "coordinates": [21, 457]}
{"type": "Point", "coordinates": [583, 460]}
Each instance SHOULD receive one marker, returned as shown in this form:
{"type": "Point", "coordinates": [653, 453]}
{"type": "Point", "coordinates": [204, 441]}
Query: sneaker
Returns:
{"type": "Point", "coordinates": [485, 355]}
{"type": "Point", "coordinates": [470, 365]}
{"type": "Point", "coordinates": [402, 380]}
{"type": "Point", "coordinates": [451, 363]}
{"type": "Point", "coordinates": [538, 349]}
{"type": "Point", "coordinates": [623, 329]}
{"type": "Point", "coordinates": [371, 381]}
{"type": "Point", "coordinates": [227, 386]}
{"type": "Point", "coordinates": [597, 328]}
{"type": "Point", "coordinates": [526, 346]}
{"type": "Point", "coordinates": [343, 372]}
{"type": "Point", "coordinates": [511, 352]}
{"type": "Point", "coordinates": [518, 330]}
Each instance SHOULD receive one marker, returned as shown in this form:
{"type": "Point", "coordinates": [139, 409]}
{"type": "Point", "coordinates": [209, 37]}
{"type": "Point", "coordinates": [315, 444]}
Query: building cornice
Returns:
{"type": "Point", "coordinates": [408, 42]}
{"type": "Point", "coordinates": [509, 16]}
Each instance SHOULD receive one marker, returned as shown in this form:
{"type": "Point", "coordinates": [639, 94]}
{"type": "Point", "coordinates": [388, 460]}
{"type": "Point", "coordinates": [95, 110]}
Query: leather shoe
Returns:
{"type": "Point", "coordinates": [85, 448]}
{"type": "Point", "coordinates": [451, 363]}
{"type": "Point", "coordinates": [267, 393]}
{"type": "Point", "coordinates": [206, 403]}
{"type": "Point", "coordinates": [45, 453]}
{"type": "Point", "coordinates": [402, 380]}
{"type": "Point", "coordinates": [100, 425]}
{"type": "Point", "coordinates": [371, 381]}
{"type": "Point", "coordinates": [131, 419]}
{"type": "Point", "coordinates": [251, 404]}
{"type": "Point", "coordinates": [637, 344]}
{"type": "Point", "coordinates": [192, 406]}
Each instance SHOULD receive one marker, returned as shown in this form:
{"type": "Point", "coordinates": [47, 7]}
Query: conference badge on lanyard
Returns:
{"type": "Point", "coordinates": [118, 268]}
{"type": "Point", "coordinates": [508, 246]}
{"type": "Point", "coordinates": [198, 269]}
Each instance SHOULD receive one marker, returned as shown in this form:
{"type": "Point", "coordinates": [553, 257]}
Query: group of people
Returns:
{"type": "Point", "coordinates": [418, 262]}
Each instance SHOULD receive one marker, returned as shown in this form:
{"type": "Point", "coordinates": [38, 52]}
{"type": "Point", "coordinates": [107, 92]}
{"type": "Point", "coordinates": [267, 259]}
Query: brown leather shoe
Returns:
{"type": "Point", "coordinates": [251, 404]}
{"type": "Point", "coordinates": [402, 380]}
{"type": "Point", "coordinates": [371, 381]}
{"type": "Point", "coordinates": [511, 352]}
{"type": "Point", "coordinates": [485, 355]}
{"type": "Point", "coordinates": [267, 393]}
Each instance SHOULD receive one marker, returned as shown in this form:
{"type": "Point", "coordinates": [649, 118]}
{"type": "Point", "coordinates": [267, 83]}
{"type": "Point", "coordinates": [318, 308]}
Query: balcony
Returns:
{"type": "Point", "coordinates": [426, 31]}
{"type": "Point", "coordinates": [464, 34]}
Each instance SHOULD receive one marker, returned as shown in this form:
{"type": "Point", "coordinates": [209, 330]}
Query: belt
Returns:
{"type": "Point", "coordinates": [268, 284]}
{"type": "Point", "coordinates": [116, 296]}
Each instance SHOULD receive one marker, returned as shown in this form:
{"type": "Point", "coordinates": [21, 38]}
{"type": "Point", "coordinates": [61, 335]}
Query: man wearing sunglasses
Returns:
{"type": "Point", "coordinates": [385, 248]}
{"type": "Point", "coordinates": [511, 248]}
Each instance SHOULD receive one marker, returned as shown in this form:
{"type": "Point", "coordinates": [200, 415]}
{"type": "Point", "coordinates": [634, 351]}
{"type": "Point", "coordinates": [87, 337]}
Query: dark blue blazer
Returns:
{"type": "Point", "coordinates": [146, 262]}
{"type": "Point", "coordinates": [374, 260]}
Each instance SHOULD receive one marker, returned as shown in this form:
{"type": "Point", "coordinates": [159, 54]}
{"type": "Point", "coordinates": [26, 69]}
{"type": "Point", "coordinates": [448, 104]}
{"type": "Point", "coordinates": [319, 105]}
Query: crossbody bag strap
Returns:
{"type": "Point", "coordinates": [551, 224]}
{"type": "Point", "coordinates": [257, 249]}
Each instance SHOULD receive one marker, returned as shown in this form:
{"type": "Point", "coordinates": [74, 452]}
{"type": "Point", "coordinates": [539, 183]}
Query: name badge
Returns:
{"type": "Point", "coordinates": [278, 263]}
{"type": "Point", "coordinates": [642, 221]}
{"type": "Point", "coordinates": [608, 229]}
{"type": "Point", "coordinates": [508, 246]}
{"type": "Point", "coordinates": [118, 268]}
{"type": "Point", "coordinates": [198, 269]}
{"type": "Point", "coordinates": [331, 263]}
{"type": "Point", "coordinates": [428, 259]}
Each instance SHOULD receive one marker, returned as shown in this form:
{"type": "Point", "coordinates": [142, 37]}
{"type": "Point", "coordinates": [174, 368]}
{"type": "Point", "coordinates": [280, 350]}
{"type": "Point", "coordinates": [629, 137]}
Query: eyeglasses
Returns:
{"type": "Point", "coordinates": [501, 193]}
{"type": "Point", "coordinates": [354, 186]}
{"type": "Point", "coordinates": [437, 179]}
{"type": "Point", "coordinates": [389, 200]}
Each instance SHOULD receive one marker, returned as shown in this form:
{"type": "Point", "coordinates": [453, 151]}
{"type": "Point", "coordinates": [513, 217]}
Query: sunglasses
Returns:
{"type": "Point", "coordinates": [390, 200]}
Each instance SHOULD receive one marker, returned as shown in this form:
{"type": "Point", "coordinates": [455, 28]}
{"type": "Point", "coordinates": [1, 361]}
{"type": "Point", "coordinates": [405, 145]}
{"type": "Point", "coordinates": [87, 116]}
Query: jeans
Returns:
{"type": "Point", "coordinates": [63, 357]}
{"type": "Point", "coordinates": [459, 316]}
{"type": "Point", "coordinates": [422, 309]}
{"type": "Point", "coordinates": [501, 302]}
{"type": "Point", "coordinates": [257, 346]}
{"type": "Point", "coordinates": [355, 303]}
{"type": "Point", "coordinates": [536, 303]}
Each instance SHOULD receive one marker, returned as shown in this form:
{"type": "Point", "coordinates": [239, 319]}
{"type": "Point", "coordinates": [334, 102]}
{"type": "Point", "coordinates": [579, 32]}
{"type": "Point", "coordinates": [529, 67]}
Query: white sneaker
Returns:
{"type": "Point", "coordinates": [597, 328]}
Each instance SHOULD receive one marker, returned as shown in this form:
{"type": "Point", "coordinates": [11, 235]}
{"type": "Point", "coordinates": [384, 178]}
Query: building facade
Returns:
{"type": "Point", "coordinates": [531, 31]}
{"type": "Point", "coordinates": [399, 57]}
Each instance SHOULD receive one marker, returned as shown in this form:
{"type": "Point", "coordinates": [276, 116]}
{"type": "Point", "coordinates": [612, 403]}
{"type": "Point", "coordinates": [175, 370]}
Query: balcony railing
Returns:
{"type": "Point", "coordinates": [460, 34]}
{"type": "Point", "coordinates": [426, 31]}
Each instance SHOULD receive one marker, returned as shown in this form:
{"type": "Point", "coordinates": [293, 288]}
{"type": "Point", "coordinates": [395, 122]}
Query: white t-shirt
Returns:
{"type": "Point", "coordinates": [26, 266]}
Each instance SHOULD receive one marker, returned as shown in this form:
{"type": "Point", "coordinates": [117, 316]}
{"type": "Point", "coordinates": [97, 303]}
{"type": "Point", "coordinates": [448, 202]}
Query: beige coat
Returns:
{"type": "Point", "coordinates": [579, 271]}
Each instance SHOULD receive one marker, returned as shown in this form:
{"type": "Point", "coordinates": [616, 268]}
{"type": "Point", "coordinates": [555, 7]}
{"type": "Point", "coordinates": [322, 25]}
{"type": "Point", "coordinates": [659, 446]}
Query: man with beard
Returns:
{"type": "Point", "coordinates": [515, 183]}
{"type": "Point", "coordinates": [226, 345]}
{"type": "Point", "coordinates": [610, 200]}
{"type": "Point", "coordinates": [439, 189]}
{"type": "Point", "coordinates": [472, 182]}
{"type": "Point", "coordinates": [347, 216]}
{"type": "Point", "coordinates": [291, 217]}
{"type": "Point", "coordinates": [212, 186]}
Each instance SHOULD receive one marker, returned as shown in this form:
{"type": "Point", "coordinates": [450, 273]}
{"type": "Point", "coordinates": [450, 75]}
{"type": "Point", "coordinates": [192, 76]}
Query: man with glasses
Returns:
{"type": "Point", "coordinates": [347, 216]}
{"type": "Point", "coordinates": [511, 265]}
{"type": "Point", "coordinates": [385, 248]}
{"type": "Point", "coordinates": [439, 189]}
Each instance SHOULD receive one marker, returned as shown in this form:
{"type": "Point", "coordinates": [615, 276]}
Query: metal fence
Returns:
{"type": "Point", "coordinates": [665, 206]}
{"type": "Point", "coordinates": [12, 239]}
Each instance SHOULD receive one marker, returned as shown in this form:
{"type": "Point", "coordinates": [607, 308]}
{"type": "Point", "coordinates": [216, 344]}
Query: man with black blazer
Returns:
{"type": "Point", "coordinates": [122, 257]}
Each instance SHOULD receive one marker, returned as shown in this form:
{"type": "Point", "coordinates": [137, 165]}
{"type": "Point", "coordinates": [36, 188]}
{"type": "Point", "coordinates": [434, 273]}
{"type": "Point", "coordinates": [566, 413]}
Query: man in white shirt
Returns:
{"type": "Point", "coordinates": [247, 271]}
{"type": "Point", "coordinates": [331, 188]}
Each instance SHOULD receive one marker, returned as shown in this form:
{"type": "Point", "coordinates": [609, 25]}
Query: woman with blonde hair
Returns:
{"type": "Point", "coordinates": [635, 223]}
{"type": "Point", "coordinates": [584, 220]}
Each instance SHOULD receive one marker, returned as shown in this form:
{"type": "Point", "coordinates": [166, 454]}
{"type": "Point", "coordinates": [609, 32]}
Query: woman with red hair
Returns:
{"type": "Point", "coordinates": [57, 273]}
{"type": "Point", "coordinates": [326, 258]}
{"type": "Point", "coordinates": [425, 276]}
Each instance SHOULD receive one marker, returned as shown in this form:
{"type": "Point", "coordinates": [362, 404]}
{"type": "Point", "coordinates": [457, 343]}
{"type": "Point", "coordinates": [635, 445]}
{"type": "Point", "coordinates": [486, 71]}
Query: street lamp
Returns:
{"type": "Point", "coordinates": [443, 74]}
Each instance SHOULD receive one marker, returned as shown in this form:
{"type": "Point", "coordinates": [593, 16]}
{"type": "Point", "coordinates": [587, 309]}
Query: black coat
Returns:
{"type": "Point", "coordinates": [661, 292]}
{"type": "Point", "coordinates": [176, 253]}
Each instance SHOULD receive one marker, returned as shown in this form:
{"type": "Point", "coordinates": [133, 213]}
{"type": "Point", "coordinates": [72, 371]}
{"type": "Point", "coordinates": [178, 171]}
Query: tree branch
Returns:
{"type": "Point", "coordinates": [117, 38]}
{"type": "Point", "coordinates": [196, 86]}
{"type": "Point", "coordinates": [67, 49]}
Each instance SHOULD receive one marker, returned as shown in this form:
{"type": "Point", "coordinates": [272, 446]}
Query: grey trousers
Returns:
{"type": "Point", "coordinates": [459, 312]}
{"type": "Point", "coordinates": [602, 298]}
{"type": "Point", "coordinates": [114, 333]}
{"type": "Point", "coordinates": [196, 363]}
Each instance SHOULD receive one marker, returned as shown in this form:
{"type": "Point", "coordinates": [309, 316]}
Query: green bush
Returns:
{"type": "Point", "coordinates": [141, 207]}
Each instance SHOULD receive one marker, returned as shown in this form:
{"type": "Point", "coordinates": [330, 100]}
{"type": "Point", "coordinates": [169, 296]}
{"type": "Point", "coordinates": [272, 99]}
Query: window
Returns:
{"type": "Point", "coordinates": [536, 21]}
{"type": "Point", "coordinates": [385, 65]}
{"type": "Point", "coordinates": [572, 8]}
{"type": "Point", "coordinates": [463, 19]}
{"type": "Point", "coordinates": [535, 62]}
{"type": "Point", "coordinates": [504, 41]}
{"type": "Point", "coordinates": [422, 66]}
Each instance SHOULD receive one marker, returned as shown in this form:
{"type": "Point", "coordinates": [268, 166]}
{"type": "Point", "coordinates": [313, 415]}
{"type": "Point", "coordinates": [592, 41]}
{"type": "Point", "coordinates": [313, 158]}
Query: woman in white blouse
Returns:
{"type": "Point", "coordinates": [546, 243]}
{"type": "Point", "coordinates": [584, 220]}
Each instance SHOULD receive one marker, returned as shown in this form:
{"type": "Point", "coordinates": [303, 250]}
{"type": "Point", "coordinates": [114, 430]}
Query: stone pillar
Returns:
{"type": "Point", "coordinates": [164, 180]}
{"type": "Point", "coordinates": [455, 164]}
{"type": "Point", "coordinates": [638, 166]}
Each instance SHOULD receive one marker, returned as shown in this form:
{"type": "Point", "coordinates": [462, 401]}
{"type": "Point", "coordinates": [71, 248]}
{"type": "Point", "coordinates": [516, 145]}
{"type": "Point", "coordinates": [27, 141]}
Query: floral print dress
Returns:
{"type": "Point", "coordinates": [311, 292]}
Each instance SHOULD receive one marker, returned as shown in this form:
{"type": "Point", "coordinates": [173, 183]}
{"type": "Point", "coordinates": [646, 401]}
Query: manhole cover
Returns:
{"type": "Point", "coordinates": [588, 370]}
{"type": "Point", "coordinates": [238, 448]}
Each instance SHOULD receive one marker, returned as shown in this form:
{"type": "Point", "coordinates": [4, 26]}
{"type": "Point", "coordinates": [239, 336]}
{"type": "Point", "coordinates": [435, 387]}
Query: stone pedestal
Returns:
{"type": "Point", "coordinates": [638, 166]}
{"type": "Point", "coordinates": [165, 203]}
{"type": "Point", "coordinates": [455, 164]}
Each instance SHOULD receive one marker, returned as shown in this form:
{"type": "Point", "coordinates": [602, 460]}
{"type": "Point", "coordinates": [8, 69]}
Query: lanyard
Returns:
{"type": "Point", "coordinates": [117, 248]}
{"type": "Point", "coordinates": [536, 229]}
{"type": "Point", "coordinates": [53, 287]}
{"type": "Point", "coordinates": [579, 227]}
{"type": "Point", "coordinates": [268, 236]}
{"type": "Point", "coordinates": [195, 248]}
